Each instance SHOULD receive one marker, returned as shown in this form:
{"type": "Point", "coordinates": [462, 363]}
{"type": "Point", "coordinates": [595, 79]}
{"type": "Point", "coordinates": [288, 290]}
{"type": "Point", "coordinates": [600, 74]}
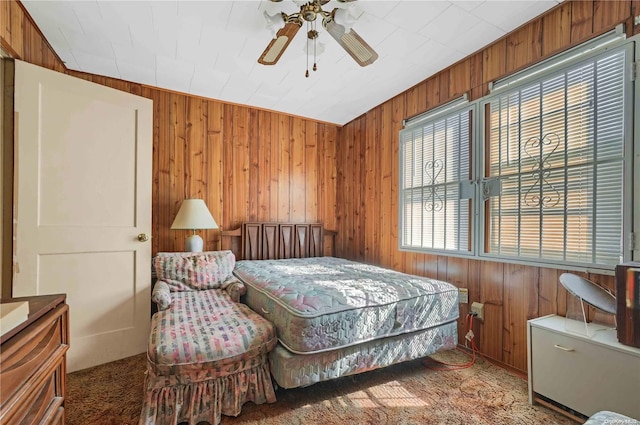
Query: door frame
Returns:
{"type": "Point", "coordinates": [7, 74]}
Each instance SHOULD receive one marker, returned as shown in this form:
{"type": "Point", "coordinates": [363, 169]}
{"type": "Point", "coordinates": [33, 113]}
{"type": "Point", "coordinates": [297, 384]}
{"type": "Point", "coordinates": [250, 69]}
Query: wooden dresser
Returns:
{"type": "Point", "coordinates": [33, 364]}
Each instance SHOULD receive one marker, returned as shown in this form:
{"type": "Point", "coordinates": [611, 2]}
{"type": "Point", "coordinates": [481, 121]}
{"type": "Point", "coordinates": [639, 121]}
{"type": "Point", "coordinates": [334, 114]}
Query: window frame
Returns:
{"type": "Point", "coordinates": [563, 65]}
{"type": "Point", "coordinates": [451, 108]}
{"type": "Point", "coordinates": [563, 61]}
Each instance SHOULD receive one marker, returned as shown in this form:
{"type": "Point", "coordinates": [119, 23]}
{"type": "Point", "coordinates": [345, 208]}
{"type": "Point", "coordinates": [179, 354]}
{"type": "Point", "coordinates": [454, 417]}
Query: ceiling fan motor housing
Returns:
{"type": "Point", "coordinates": [310, 11]}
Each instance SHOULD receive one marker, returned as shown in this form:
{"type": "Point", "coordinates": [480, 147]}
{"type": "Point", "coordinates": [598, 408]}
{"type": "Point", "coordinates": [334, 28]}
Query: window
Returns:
{"type": "Point", "coordinates": [435, 163]}
{"type": "Point", "coordinates": [542, 174]}
{"type": "Point", "coordinates": [554, 159]}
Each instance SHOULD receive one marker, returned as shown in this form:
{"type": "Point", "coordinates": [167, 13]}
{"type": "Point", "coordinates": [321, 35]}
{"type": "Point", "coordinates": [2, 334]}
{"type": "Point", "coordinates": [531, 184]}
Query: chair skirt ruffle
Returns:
{"type": "Point", "coordinates": [170, 400]}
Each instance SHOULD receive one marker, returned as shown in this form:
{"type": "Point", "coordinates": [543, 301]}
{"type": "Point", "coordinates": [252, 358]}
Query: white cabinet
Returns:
{"type": "Point", "coordinates": [585, 374]}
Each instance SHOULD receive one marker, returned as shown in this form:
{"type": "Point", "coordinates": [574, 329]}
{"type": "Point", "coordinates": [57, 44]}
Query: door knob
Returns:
{"type": "Point", "coordinates": [142, 237]}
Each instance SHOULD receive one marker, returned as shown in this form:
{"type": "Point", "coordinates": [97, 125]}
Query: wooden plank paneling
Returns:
{"type": "Point", "coordinates": [329, 194]}
{"type": "Point", "coordinates": [609, 13]}
{"type": "Point", "coordinates": [491, 295]}
{"type": "Point", "coordinates": [155, 165]}
{"type": "Point", "coordinates": [177, 174]}
{"type": "Point", "coordinates": [253, 158]}
{"type": "Point", "coordinates": [274, 165]}
{"type": "Point", "coordinates": [474, 285]}
{"type": "Point", "coordinates": [397, 115]}
{"type": "Point", "coordinates": [321, 136]}
{"type": "Point", "coordinates": [5, 23]}
{"type": "Point", "coordinates": [460, 79]}
{"type": "Point", "coordinates": [444, 85]}
{"type": "Point", "coordinates": [556, 29]}
{"type": "Point", "coordinates": [517, 282]}
{"type": "Point", "coordinates": [547, 292]}
{"type": "Point", "coordinates": [196, 146]}
{"type": "Point", "coordinates": [284, 169]}
{"type": "Point", "coordinates": [16, 29]}
{"type": "Point", "coordinates": [523, 47]}
{"type": "Point", "coordinates": [432, 92]}
{"type": "Point", "coordinates": [239, 170]}
{"type": "Point", "coordinates": [358, 203]}
{"type": "Point", "coordinates": [457, 273]}
{"type": "Point", "coordinates": [311, 172]}
{"type": "Point", "coordinates": [609, 283]}
{"type": "Point", "coordinates": [478, 88]}
{"type": "Point", "coordinates": [298, 207]}
{"type": "Point", "coordinates": [495, 61]}
{"type": "Point", "coordinates": [581, 20]}
{"type": "Point", "coordinates": [388, 182]}
{"type": "Point", "coordinates": [371, 170]}
{"type": "Point", "coordinates": [215, 165]}
{"type": "Point", "coordinates": [164, 203]}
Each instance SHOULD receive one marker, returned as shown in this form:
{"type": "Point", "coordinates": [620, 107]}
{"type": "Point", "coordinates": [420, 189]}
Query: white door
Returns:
{"type": "Point", "coordinates": [83, 195]}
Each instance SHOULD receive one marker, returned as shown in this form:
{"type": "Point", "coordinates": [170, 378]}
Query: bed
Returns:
{"type": "Point", "coordinates": [335, 317]}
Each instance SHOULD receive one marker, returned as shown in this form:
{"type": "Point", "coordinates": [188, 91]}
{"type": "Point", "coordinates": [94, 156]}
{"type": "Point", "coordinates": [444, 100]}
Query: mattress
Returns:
{"type": "Point", "coordinates": [299, 370]}
{"type": "Point", "coordinates": [326, 303]}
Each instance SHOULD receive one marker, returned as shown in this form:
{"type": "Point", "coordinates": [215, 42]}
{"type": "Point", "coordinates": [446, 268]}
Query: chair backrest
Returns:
{"type": "Point", "coordinates": [187, 271]}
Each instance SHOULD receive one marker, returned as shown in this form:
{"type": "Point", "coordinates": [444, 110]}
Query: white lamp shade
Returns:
{"type": "Point", "coordinates": [193, 215]}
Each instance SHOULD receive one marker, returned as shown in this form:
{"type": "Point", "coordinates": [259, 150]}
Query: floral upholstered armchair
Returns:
{"type": "Point", "coordinates": [207, 353]}
{"type": "Point", "coordinates": [192, 271]}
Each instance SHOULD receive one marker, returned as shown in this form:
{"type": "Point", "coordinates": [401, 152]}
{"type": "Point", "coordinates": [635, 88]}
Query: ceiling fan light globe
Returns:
{"type": "Point", "coordinates": [274, 23]}
{"type": "Point", "coordinates": [344, 18]}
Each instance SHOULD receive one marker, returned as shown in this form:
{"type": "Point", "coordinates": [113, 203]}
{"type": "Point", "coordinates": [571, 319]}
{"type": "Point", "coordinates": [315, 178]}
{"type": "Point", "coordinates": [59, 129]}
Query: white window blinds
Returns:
{"type": "Point", "coordinates": [435, 174]}
{"type": "Point", "coordinates": [554, 164]}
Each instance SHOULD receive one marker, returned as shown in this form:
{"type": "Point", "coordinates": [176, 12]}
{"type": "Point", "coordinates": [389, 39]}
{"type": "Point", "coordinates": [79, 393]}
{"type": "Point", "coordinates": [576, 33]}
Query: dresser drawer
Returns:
{"type": "Point", "coordinates": [23, 359]}
{"type": "Point", "coordinates": [32, 376]}
{"type": "Point", "coordinates": [58, 417]}
{"type": "Point", "coordinates": [40, 407]}
{"type": "Point", "coordinates": [582, 375]}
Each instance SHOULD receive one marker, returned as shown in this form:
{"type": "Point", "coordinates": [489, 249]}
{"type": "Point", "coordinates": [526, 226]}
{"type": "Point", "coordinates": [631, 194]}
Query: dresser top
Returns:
{"type": "Point", "coordinates": [38, 307]}
{"type": "Point", "coordinates": [598, 334]}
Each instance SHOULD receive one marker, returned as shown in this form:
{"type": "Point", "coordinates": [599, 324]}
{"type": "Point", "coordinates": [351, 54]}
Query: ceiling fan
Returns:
{"type": "Point", "coordinates": [311, 10]}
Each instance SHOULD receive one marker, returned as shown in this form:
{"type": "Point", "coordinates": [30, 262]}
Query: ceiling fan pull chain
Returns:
{"type": "Point", "coordinates": [307, 73]}
{"type": "Point", "coordinates": [315, 41]}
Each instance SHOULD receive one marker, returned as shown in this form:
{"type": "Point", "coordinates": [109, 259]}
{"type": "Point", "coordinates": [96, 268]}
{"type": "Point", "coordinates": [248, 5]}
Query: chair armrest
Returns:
{"type": "Point", "coordinates": [235, 288]}
{"type": "Point", "coordinates": [161, 295]}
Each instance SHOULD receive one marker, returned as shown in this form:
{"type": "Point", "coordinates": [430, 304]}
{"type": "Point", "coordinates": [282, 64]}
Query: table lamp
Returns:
{"type": "Point", "coordinates": [194, 215]}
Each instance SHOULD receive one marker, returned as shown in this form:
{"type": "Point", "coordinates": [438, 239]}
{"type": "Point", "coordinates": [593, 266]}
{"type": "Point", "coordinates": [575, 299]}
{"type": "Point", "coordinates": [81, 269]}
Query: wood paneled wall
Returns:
{"type": "Point", "coordinates": [247, 164]}
{"type": "Point", "coordinates": [250, 164]}
{"type": "Point", "coordinates": [368, 180]}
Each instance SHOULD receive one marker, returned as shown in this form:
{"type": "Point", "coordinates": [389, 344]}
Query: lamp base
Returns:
{"type": "Point", "coordinates": [194, 244]}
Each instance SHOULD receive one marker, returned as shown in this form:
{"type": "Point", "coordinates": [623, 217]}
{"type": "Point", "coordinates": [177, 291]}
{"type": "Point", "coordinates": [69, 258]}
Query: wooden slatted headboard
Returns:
{"type": "Point", "coordinates": [269, 241]}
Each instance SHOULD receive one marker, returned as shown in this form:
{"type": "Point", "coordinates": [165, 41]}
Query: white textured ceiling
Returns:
{"type": "Point", "coordinates": [210, 48]}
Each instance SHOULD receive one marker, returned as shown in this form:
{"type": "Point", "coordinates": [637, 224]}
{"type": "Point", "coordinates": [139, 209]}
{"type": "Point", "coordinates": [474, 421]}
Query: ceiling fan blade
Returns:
{"type": "Point", "coordinates": [350, 41]}
{"type": "Point", "coordinates": [277, 46]}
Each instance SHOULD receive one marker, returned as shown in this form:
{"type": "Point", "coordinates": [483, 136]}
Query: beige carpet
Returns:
{"type": "Point", "coordinates": [407, 393]}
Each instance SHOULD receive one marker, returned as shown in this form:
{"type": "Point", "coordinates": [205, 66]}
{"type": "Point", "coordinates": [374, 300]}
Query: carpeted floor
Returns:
{"type": "Point", "coordinates": [408, 393]}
